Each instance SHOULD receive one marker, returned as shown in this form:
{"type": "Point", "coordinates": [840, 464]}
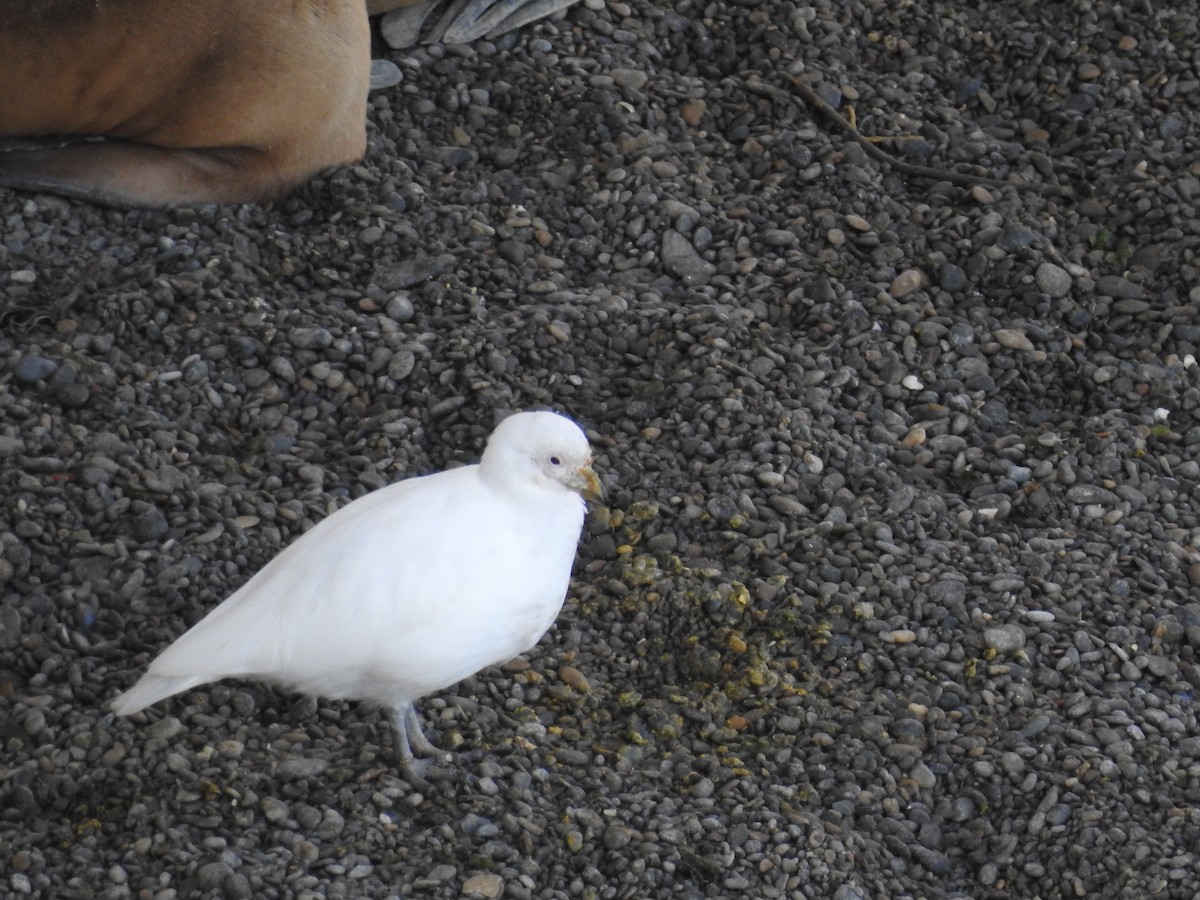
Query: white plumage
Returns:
{"type": "Point", "coordinates": [407, 590]}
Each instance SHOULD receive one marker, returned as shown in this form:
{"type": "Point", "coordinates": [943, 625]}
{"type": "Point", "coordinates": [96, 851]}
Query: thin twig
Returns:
{"type": "Point", "coordinates": [810, 97]}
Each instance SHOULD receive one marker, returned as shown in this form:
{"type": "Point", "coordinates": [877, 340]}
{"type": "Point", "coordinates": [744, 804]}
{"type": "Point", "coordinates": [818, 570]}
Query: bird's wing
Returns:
{"type": "Point", "coordinates": [324, 593]}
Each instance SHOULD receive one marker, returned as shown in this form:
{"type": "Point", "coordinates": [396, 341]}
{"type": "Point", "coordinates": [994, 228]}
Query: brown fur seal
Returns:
{"type": "Point", "coordinates": [199, 102]}
{"type": "Point", "coordinates": [167, 103]}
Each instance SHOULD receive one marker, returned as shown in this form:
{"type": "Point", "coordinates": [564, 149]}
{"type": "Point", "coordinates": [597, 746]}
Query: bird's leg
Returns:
{"type": "Point", "coordinates": [415, 737]}
{"type": "Point", "coordinates": [410, 737]}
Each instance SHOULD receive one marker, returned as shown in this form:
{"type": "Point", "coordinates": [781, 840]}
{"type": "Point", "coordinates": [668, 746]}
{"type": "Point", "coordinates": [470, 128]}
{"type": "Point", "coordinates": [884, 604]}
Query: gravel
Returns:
{"type": "Point", "coordinates": [896, 591]}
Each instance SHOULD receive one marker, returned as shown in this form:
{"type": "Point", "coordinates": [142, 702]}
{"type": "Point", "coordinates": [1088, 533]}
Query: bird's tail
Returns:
{"type": "Point", "coordinates": [151, 689]}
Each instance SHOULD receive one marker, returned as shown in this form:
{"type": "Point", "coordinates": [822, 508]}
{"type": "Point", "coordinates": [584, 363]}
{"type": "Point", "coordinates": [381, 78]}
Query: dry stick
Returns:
{"type": "Point", "coordinates": [810, 96]}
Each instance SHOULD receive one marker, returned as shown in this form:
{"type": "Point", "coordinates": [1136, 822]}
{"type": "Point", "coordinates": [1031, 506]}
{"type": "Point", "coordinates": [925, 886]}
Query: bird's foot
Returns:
{"type": "Point", "coordinates": [423, 773]}
{"type": "Point", "coordinates": [435, 765]}
{"type": "Point", "coordinates": [442, 766]}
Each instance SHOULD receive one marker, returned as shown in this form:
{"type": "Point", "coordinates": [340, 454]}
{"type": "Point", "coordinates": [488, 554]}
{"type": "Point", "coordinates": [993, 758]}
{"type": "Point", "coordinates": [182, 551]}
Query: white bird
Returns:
{"type": "Point", "coordinates": [407, 590]}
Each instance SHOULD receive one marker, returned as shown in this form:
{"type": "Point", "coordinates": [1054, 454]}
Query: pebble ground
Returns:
{"type": "Point", "coordinates": [896, 591]}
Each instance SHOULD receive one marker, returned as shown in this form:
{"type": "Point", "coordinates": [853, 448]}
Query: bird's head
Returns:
{"type": "Point", "coordinates": [546, 449]}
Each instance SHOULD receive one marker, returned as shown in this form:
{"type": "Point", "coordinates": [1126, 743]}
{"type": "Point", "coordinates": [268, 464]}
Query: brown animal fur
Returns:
{"type": "Point", "coordinates": [199, 102]}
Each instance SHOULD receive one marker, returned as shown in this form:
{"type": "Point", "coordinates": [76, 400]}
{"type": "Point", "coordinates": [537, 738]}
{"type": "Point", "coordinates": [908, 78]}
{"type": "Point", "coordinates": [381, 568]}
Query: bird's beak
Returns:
{"type": "Point", "coordinates": [587, 483]}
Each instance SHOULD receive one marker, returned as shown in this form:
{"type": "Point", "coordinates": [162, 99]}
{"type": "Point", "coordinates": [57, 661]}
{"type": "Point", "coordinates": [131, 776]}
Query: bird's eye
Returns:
{"type": "Point", "coordinates": [555, 461]}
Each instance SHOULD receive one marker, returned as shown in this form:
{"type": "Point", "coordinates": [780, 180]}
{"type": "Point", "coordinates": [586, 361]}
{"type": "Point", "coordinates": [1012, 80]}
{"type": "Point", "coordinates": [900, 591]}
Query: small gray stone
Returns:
{"type": "Point", "coordinates": [274, 809]}
{"type": "Point", "coordinates": [1003, 583]}
{"type": "Point", "coordinates": [629, 79]}
{"type": "Point", "coordinates": [409, 273]}
{"type": "Point", "coordinates": [952, 278]}
{"type": "Point", "coordinates": [311, 338]}
{"type": "Point", "coordinates": [33, 368]}
{"type": "Point", "coordinates": [1053, 280]}
{"type": "Point", "coordinates": [401, 28]}
{"type": "Point", "coordinates": [683, 261]}
{"type": "Point", "coordinates": [1091, 493]}
{"type": "Point", "coordinates": [1004, 638]}
{"type": "Point", "coordinates": [779, 237]}
{"type": "Point", "coordinates": [332, 824]}
{"type": "Point", "coordinates": [1118, 287]}
{"type": "Point", "coordinates": [923, 776]}
{"type": "Point", "coordinates": [400, 307]}
{"type": "Point", "coordinates": [73, 395]}
{"type": "Point", "coordinates": [35, 722]}
{"type": "Point", "coordinates": [402, 364]}
{"type": "Point", "coordinates": [787, 506]}
{"type": "Point", "coordinates": [1013, 339]}
{"type": "Point", "coordinates": [948, 592]}
{"type": "Point", "coordinates": [149, 525]}
{"type": "Point", "coordinates": [385, 74]}
{"type": "Point", "coordinates": [438, 875]}
{"type": "Point", "coordinates": [165, 728]}
{"type": "Point", "coordinates": [906, 282]}
{"type": "Point", "coordinates": [302, 767]}
{"type": "Point", "coordinates": [210, 876]}
{"type": "Point", "coordinates": [10, 626]}
{"type": "Point", "coordinates": [1016, 238]}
